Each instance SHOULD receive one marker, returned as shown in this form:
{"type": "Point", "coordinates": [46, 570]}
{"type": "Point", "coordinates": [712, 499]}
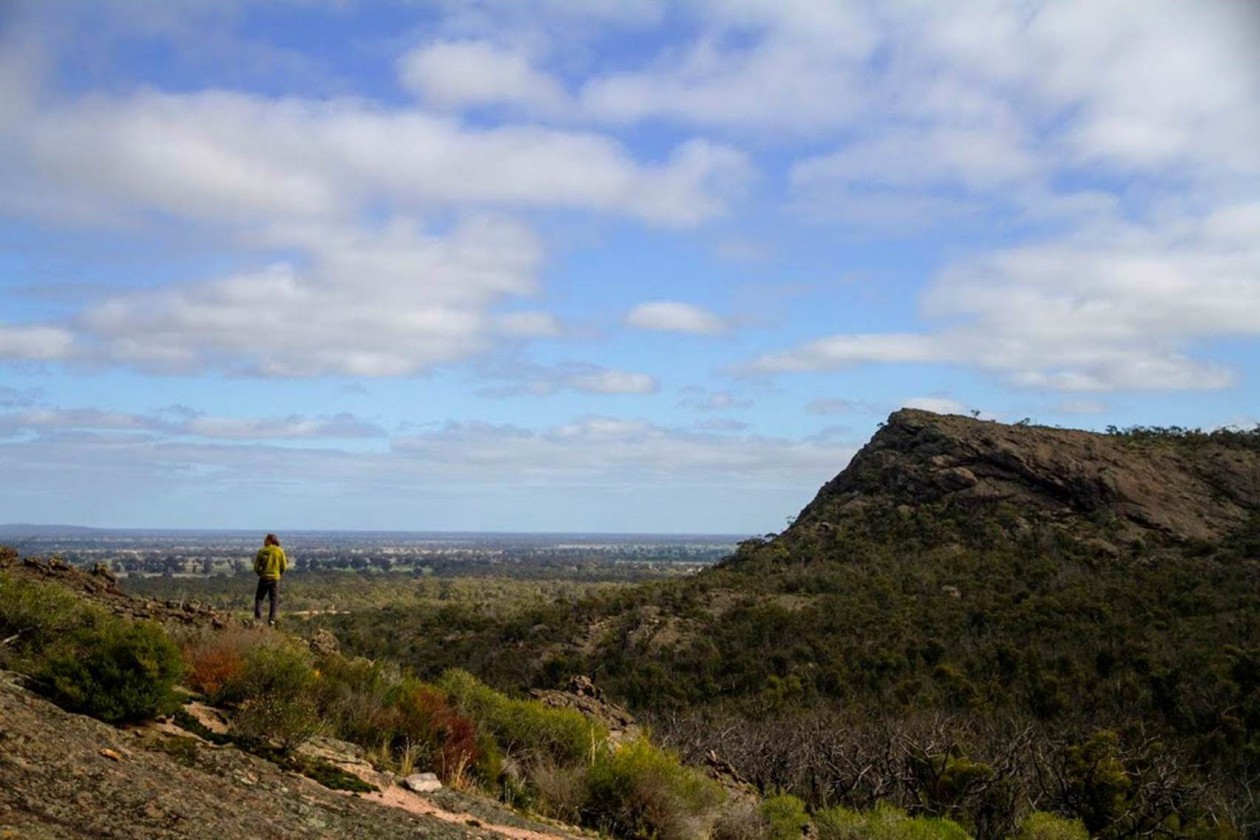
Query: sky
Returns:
{"type": "Point", "coordinates": [552, 265]}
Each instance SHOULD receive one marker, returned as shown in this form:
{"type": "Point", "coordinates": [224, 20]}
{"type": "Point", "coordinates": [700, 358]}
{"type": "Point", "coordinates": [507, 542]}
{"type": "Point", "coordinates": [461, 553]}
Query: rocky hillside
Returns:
{"type": "Point", "coordinates": [68, 776]}
{"type": "Point", "coordinates": [65, 775]}
{"type": "Point", "coordinates": [1155, 487]}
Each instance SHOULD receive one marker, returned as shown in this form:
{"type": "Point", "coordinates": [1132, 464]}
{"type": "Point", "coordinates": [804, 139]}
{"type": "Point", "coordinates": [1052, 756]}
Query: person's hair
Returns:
{"type": "Point", "coordinates": [271, 539]}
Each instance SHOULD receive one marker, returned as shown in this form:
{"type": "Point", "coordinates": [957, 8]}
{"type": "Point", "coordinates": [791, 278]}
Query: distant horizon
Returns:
{"type": "Point", "coordinates": [6, 527]}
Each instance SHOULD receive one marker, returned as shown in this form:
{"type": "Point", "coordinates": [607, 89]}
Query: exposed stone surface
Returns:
{"type": "Point", "coordinates": [65, 776]}
{"type": "Point", "coordinates": [422, 782]}
{"type": "Point", "coordinates": [584, 696]}
{"type": "Point", "coordinates": [1151, 490]}
{"type": "Point", "coordinates": [68, 776]}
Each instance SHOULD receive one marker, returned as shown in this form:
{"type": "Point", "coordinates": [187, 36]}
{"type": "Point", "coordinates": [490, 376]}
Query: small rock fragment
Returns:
{"type": "Point", "coordinates": [422, 782]}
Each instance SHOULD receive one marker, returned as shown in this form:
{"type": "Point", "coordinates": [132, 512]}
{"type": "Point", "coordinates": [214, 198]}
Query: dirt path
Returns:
{"type": "Point", "coordinates": [414, 803]}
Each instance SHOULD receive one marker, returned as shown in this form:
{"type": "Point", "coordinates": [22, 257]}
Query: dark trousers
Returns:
{"type": "Point", "coordinates": [269, 589]}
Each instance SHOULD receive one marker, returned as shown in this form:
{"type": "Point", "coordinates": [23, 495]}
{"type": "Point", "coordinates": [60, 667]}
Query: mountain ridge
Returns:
{"type": "Point", "coordinates": [1143, 487]}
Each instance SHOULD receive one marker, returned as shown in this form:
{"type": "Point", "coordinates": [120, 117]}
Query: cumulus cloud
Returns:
{"type": "Point", "coordinates": [371, 240]}
{"type": "Point", "coordinates": [839, 351]}
{"type": "Point", "coordinates": [387, 303]}
{"type": "Point", "coordinates": [757, 66]}
{"type": "Point", "coordinates": [1119, 307]}
{"type": "Point", "coordinates": [231, 157]}
{"type": "Point", "coordinates": [35, 343]}
{"type": "Point", "coordinates": [674, 316]}
{"type": "Point", "coordinates": [994, 102]}
{"type": "Point", "coordinates": [540, 380]}
{"type": "Point", "coordinates": [459, 74]}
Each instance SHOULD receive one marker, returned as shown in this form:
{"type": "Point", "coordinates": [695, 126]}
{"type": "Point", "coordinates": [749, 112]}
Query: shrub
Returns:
{"type": "Point", "coordinates": [560, 789]}
{"type": "Point", "coordinates": [34, 615]}
{"type": "Point", "coordinates": [740, 820]}
{"type": "Point", "coordinates": [216, 659]}
{"type": "Point", "coordinates": [1040, 825]}
{"type": "Point", "coordinates": [114, 670]}
{"type": "Point", "coordinates": [275, 695]}
{"type": "Point", "coordinates": [353, 696]}
{"type": "Point", "coordinates": [884, 823]}
{"type": "Point", "coordinates": [785, 817]}
{"type": "Point", "coordinates": [447, 740]}
{"type": "Point", "coordinates": [523, 727]}
{"type": "Point", "coordinates": [1098, 787]}
{"type": "Point", "coordinates": [641, 791]}
{"type": "Point", "coordinates": [288, 720]}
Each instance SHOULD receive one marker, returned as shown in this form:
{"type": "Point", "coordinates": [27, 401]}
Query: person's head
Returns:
{"type": "Point", "coordinates": [271, 539]}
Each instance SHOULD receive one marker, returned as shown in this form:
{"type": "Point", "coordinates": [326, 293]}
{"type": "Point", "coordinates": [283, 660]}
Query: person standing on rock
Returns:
{"type": "Point", "coordinates": [270, 563]}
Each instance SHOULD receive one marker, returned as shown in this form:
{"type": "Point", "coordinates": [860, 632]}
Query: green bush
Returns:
{"type": "Point", "coordinates": [641, 791]}
{"type": "Point", "coordinates": [34, 615]}
{"type": "Point", "coordinates": [114, 670]}
{"type": "Point", "coordinates": [785, 817]}
{"type": "Point", "coordinates": [1040, 825]}
{"type": "Point", "coordinates": [353, 698]}
{"type": "Point", "coordinates": [525, 728]}
{"type": "Point", "coordinates": [884, 823]}
{"type": "Point", "coordinates": [274, 696]}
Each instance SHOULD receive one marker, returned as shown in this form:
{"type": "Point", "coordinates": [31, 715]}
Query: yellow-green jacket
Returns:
{"type": "Point", "coordinates": [270, 562]}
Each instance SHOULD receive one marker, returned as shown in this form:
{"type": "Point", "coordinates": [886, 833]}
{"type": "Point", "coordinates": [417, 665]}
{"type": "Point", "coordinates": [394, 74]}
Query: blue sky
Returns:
{"type": "Point", "coordinates": [626, 266]}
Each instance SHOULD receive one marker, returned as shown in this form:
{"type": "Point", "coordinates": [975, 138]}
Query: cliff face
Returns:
{"type": "Point", "coordinates": [1165, 488]}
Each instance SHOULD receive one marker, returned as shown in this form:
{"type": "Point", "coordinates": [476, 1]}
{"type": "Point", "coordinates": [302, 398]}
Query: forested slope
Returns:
{"type": "Point", "coordinates": [971, 619]}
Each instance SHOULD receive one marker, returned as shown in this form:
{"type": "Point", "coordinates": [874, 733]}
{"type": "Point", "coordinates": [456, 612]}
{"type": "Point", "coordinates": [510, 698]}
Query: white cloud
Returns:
{"type": "Point", "coordinates": [538, 380]}
{"type": "Point", "coordinates": [674, 316]}
{"type": "Point", "coordinates": [529, 325]}
{"type": "Point", "coordinates": [35, 343]}
{"type": "Point", "coordinates": [939, 405]}
{"type": "Point", "coordinates": [839, 351]}
{"type": "Point", "coordinates": [185, 424]}
{"type": "Point", "coordinates": [461, 74]}
{"type": "Point", "coordinates": [1118, 307]}
{"type": "Point", "coordinates": [996, 107]}
{"type": "Point", "coordinates": [599, 448]}
{"type": "Point", "coordinates": [390, 303]}
{"type": "Point", "coordinates": [240, 159]}
{"type": "Point", "coordinates": [599, 474]}
{"type": "Point", "coordinates": [761, 67]}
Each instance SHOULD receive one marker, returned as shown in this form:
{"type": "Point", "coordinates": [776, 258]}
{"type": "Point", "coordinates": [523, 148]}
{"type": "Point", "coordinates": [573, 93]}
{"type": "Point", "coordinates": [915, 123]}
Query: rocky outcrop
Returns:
{"type": "Point", "coordinates": [582, 695]}
{"type": "Point", "coordinates": [99, 586]}
{"type": "Point", "coordinates": [1164, 488]}
{"type": "Point", "coordinates": [67, 776]}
